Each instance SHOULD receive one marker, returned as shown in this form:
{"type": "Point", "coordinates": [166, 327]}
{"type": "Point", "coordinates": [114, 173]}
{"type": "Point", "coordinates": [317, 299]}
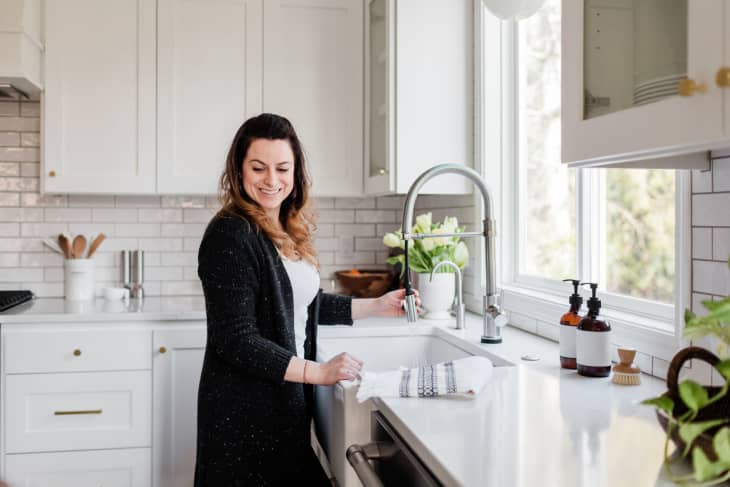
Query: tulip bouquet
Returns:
{"type": "Point", "coordinates": [425, 254]}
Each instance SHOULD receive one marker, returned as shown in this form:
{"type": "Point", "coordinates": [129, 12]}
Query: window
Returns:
{"type": "Point", "coordinates": [616, 227]}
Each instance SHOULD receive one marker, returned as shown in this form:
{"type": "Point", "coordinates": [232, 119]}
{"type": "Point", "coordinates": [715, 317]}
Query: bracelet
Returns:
{"type": "Point", "coordinates": [304, 372]}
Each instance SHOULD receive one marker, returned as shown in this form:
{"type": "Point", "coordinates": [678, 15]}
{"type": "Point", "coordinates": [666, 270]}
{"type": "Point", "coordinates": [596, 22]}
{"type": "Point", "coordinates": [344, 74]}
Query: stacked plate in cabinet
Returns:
{"type": "Point", "coordinates": [657, 88]}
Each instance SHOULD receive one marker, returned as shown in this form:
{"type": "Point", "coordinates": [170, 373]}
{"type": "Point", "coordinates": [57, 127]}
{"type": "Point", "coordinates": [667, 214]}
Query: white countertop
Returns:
{"type": "Point", "coordinates": [58, 310]}
{"type": "Point", "coordinates": [534, 424]}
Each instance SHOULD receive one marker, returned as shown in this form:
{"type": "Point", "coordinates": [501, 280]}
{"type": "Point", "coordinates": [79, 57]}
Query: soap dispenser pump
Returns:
{"type": "Point", "coordinates": [593, 340]}
{"type": "Point", "coordinates": [568, 326]}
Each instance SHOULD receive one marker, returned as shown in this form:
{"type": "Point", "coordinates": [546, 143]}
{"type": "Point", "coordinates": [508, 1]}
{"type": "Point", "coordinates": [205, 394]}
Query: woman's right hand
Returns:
{"type": "Point", "coordinates": [341, 367]}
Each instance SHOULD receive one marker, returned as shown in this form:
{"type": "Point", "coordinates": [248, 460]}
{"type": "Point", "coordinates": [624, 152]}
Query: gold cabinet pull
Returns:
{"type": "Point", "coordinates": [77, 352]}
{"type": "Point", "coordinates": [52, 174]}
{"type": "Point", "coordinates": [723, 77]}
{"type": "Point", "coordinates": [688, 87]}
{"type": "Point", "coordinates": [163, 350]}
{"type": "Point", "coordinates": [83, 411]}
{"type": "Point", "coordinates": [381, 172]}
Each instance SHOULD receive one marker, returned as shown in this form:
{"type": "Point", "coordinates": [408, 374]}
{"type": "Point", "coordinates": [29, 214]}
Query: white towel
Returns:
{"type": "Point", "coordinates": [465, 376]}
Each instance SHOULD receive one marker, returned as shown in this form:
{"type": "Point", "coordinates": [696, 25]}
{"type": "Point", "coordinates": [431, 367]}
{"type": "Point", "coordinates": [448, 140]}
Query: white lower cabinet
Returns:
{"type": "Point", "coordinates": [176, 368]}
{"type": "Point", "coordinates": [68, 419]}
{"type": "Point", "coordinates": [83, 411]}
{"type": "Point", "coordinates": [107, 468]}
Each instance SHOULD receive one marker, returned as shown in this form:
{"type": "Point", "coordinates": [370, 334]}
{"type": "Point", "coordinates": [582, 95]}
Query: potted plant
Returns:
{"type": "Point", "coordinates": [436, 291]}
{"type": "Point", "coordinates": [696, 417]}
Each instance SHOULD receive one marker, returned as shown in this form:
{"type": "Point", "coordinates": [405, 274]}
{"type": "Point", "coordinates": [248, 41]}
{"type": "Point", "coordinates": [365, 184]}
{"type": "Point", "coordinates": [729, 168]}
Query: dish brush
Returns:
{"type": "Point", "coordinates": [626, 372]}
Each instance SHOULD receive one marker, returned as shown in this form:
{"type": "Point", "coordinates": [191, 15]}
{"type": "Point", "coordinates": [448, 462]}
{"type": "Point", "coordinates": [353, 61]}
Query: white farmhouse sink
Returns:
{"type": "Point", "coordinates": [340, 420]}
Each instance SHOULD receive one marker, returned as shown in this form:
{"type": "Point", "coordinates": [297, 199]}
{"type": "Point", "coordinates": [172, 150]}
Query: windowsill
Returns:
{"type": "Point", "coordinates": [539, 312]}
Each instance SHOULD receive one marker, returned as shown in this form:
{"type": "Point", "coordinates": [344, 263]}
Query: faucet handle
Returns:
{"type": "Point", "coordinates": [410, 305]}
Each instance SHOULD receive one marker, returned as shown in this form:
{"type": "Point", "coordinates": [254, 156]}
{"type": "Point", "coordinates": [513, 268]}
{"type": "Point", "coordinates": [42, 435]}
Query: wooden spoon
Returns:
{"type": "Point", "coordinates": [65, 246]}
{"type": "Point", "coordinates": [78, 247]}
{"type": "Point", "coordinates": [95, 244]}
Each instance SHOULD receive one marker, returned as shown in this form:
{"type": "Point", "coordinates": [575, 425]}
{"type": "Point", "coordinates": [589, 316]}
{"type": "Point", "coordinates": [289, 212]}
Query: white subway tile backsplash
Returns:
{"type": "Point", "coordinates": [18, 124]}
{"type": "Point", "coordinates": [10, 229]}
{"type": "Point", "coordinates": [118, 244]}
{"type": "Point", "coordinates": [42, 229]}
{"type": "Point", "coordinates": [30, 109]}
{"type": "Point", "coordinates": [194, 229]}
{"type": "Point", "coordinates": [19, 154]}
{"type": "Point", "coordinates": [356, 258]}
{"type": "Point", "coordinates": [114, 215]}
{"type": "Point", "coordinates": [9, 108]}
{"type": "Point", "coordinates": [91, 201]}
{"type": "Point", "coordinates": [183, 201]}
{"type": "Point", "coordinates": [172, 288]}
{"type": "Point", "coordinates": [198, 215]}
{"type": "Point", "coordinates": [168, 215]}
{"type": "Point", "coordinates": [53, 274]}
{"type": "Point", "coordinates": [44, 289]}
{"type": "Point", "coordinates": [91, 229]}
{"type": "Point", "coordinates": [710, 210]}
{"type": "Point", "coordinates": [10, 259]}
{"type": "Point", "coordinates": [23, 274]}
{"type": "Point", "coordinates": [9, 169]}
{"type": "Point", "coordinates": [702, 243]}
{"type": "Point", "coordinates": [138, 230]}
{"type": "Point", "coordinates": [701, 181]}
{"type": "Point", "coordinates": [21, 245]}
{"type": "Point", "coordinates": [720, 244]}
{"type": "Point", "coordinates": [67, 215]}
{"type": "Point", "coordinates": [376, 216]}
{"type": "Point", "coordinates": [325, 244]}
{"type": "Point", "coordinates": [659, 368]}
{"type": "Point", "coordinates": [324, 203]}
{"type": "Point", "coordinates": [189, 273]}
{"type": "Point", "coordinates": [152, 273]}
{"type": "Point", "coordinates": [9, 139]}
{"type": "Point", "coordinates": [179, 259]}
{"type": "Point", "coordinates": [721, 175]}
{"type": "Point", "coordinates": [173, 230]}
{"type": "Point", "coordinates": [128, 201]}
{"type": "Point", "coordinates": [697, 306]}
{"type": "Point", "coordinates": [9, 199]}
{"type": "Point", "coordinates": [711, 277]}
{"type": "Point", "coordinates": [336, 216]}
{"type": "Point", "coordinates": [191, 244]}
{"type": "Point", "coordinates": [324, 230]}
{"type": "Point", "coordinates": [30, 169]}
{"type": "Point", "coordinates": [44, 200]}
{"type": "Point", "coordinates": [30, 139]}
{"type": "Point", "coordinates": [38, 259]}
{"type": "Point", "coordinates": [21, 214]}
{"type": "Point", "coordinates": [390, 203]}
{"type": "Point", "coordinates": [161, 244]}
{"type": "Point", "coordinates": [354, 203]}
{"type": "Point", "coordinates": [359, 230]}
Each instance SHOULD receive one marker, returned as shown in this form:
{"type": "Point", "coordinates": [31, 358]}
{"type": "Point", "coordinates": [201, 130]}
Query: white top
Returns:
{"type": "Point", "coordinates": [304, 279]}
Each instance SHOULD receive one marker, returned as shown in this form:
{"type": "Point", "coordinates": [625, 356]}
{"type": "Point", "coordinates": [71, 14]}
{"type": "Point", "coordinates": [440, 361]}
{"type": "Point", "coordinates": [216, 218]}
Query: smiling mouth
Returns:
{"type": "Point", "coordinates": [269, 192]}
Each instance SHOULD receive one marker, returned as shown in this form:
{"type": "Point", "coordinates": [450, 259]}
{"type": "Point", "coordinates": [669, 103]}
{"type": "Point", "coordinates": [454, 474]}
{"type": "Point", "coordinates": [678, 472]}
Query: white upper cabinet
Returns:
{"type": "Point", "coordinates": [208, 83]}
{"type": "Point", "coordinates": [313, 75]}
{"type": "Point", "coordinates": [21, 47]}
{"type": "Point", "coordinates": [99, 102]}
{"type": "Point", "coordinates": [639, 85]}
{"type": "Point", "coordinates": [419, 93]}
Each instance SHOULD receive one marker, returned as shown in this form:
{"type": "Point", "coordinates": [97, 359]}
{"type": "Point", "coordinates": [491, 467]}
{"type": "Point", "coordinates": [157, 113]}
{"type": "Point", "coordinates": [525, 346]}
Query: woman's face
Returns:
{"type": "Point", "coordinates": [268, 173]}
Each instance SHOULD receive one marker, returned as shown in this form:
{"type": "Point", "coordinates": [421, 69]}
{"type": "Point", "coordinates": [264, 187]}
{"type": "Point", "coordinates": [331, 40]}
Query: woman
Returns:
{"type": "Point", "coordinates": [259, 272]}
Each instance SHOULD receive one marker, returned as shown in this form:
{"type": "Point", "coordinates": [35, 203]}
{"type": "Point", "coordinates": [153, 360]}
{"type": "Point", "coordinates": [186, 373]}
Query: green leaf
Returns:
{"type": "Point", "coordinates": [662, 402]}
{"type": "Point", "coordinates": [724, 368]}
{"type": "Point", "coordinates": [693, 395]}
{"type": "Point", "coordinates": [688, 315]}
{"type": "Point", "coordinates": [721, 442]}
{"type": "Point", "coordinates": [689, 431]}
{"type": "Point", "coordinates": [705, 469]}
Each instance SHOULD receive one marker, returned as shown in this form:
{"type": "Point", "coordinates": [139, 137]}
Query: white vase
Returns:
{"type": "Point", "coordinates": [437, 295]}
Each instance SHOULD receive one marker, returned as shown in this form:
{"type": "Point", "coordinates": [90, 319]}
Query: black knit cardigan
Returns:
{"type": "Point", "coordinates": [253, 427]}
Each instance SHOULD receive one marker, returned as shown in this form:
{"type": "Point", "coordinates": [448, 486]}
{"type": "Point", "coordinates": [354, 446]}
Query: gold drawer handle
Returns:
{"type": "Point", "coordinates": [723, 77]}
{"type": "Point", "coordinates": [77, 352]}
{"type": "Point", "coordinates": [69, 413]}
{"type": "Point", "coordinates": [688, 87]}
{"type": "Point", "coordinates": [163, 350]}
{"type": "Point", "coordinates": [52, 174]}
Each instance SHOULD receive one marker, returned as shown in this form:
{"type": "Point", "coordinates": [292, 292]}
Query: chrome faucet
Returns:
{"type": "Point", "coordinates": [459, 306]}
{"type": "Point", "coordinates": [494, 320]}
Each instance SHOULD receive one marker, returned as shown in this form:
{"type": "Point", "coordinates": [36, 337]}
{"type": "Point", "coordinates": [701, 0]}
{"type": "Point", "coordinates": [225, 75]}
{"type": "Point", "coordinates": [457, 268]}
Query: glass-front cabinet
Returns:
{"type": "Point", "coordinates": [419, 93]}
{"type": "Point", "coordinates": [642, 82]}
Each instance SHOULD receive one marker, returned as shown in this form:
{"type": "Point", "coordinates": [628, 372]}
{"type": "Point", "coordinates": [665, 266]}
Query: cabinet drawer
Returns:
{"type": "Point", "coordinates": [81, 350]}
{"type": "Point", "coordinates": [110, 468]}
{"type": "Point", "coordinates": [82, 411]}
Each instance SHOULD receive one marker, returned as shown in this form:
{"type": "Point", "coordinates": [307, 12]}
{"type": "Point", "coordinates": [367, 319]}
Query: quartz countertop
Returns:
{"type": "Point", "coordinates": [57, 310]}
{"type": "Point", "coordinates": [533, 424]}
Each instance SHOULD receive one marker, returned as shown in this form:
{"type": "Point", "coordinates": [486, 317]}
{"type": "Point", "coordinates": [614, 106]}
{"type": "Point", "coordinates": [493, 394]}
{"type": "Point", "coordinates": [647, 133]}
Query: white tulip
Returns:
{"type": "Point", "coordinates": [391, 240]}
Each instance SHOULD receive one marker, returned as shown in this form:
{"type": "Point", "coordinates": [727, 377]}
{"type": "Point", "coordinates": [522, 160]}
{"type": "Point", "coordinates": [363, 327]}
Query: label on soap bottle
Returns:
{"type": "Point", "coordinates": [567, 341]}
{"type": "Point", "coordinates": [593, 348]}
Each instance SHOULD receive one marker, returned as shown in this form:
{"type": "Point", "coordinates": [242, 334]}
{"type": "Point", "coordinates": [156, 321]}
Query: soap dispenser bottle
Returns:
{"type": "Point", "coordinates": [568, 326]}
{"type": "Point", "coordinates": [593, 340]}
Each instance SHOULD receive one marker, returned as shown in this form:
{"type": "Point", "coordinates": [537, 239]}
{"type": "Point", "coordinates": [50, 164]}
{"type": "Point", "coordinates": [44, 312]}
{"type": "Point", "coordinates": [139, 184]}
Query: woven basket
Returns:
{"type": "Point", "coordinates": [717, 410]}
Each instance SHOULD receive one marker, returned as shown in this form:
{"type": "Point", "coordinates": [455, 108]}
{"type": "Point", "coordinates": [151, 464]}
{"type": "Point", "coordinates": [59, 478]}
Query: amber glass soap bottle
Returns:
{"type": "Point", "coordinates": [568, 325]}
{"type": "Point", "coordinates": [593, 340]}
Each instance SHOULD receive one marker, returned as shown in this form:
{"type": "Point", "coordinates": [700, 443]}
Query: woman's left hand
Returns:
{"type": "Point", "coordinates": [391, 304]}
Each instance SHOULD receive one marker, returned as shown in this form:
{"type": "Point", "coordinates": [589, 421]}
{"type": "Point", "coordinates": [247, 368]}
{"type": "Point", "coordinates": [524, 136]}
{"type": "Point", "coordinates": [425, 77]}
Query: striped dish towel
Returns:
{"type": "Point", "coordinates": [466, 376]}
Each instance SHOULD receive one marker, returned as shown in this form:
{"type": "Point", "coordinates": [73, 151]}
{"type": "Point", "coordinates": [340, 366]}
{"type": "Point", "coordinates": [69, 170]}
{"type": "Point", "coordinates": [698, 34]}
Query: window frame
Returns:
{"type": "Point", "coordinates": [535, 302]}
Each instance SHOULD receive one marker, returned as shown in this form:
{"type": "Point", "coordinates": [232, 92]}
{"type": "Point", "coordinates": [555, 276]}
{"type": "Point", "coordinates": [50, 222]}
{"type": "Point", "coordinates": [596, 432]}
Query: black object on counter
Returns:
{"type": "Point", "coordinates": [8, 299]}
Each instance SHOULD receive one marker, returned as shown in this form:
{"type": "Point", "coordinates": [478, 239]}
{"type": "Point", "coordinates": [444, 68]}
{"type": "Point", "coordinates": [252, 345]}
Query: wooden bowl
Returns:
{"type": "Point", "coordinates": [717, 410]}
{"type": "Point", "coordinates": [364, 283]}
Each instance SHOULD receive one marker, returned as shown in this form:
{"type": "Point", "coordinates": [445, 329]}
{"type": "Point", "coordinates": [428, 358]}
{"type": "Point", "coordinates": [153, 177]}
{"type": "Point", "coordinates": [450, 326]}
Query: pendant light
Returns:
{"type": "Point", "coordinates": [513, 9]}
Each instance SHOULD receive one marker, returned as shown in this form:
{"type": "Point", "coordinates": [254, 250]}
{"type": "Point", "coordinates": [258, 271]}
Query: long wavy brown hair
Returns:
{"type": "Point", "coordinates": [296, 214]}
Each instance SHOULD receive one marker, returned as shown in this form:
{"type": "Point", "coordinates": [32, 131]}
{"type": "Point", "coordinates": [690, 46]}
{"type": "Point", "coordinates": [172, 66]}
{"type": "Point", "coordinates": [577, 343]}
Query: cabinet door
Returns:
{"type": "Point", "coordinates": [99, 100]}
{"type": "Point", "coordinates": [110, 468]}
{"type": "Point", "coordinates": [178, 358]}
{"type": "Point", "coordinates": [313, 75]}
{"type": "Point", "coordinates": [621, 72]}
{"type": "Point", "coordinates": [209, 82]}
